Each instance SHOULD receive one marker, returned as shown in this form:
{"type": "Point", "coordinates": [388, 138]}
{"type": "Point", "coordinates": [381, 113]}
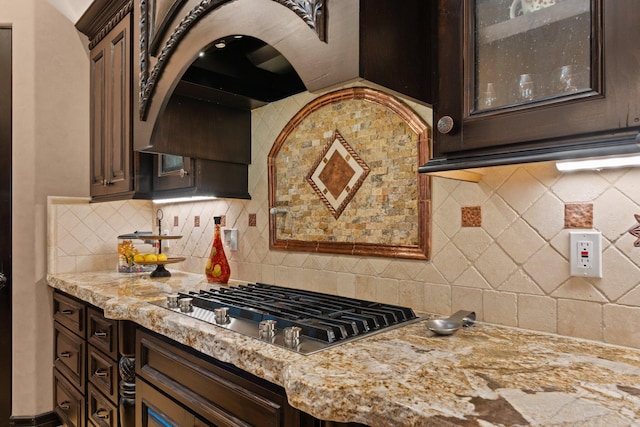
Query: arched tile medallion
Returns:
{"type": "Point", "coordinates": [343, 178]}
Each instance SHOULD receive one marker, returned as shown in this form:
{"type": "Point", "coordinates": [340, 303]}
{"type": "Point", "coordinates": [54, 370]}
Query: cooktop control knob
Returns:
{"type": "Point", "coordinates": [267, 329]}
{"type": "Point", "coordinates": [292, 336]}
{"type": "Point", "coordinates": [172, 300]}
{"type": "Point", "coordinates": [186, 305]}
{"type": "Point", "coordinates": [221, 315]}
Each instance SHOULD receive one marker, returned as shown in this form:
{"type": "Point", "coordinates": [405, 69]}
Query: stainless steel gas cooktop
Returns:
{"type": "Point", "coordinates": [301, 321]}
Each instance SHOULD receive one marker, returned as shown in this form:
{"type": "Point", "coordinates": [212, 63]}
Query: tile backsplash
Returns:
{"type": "Point", "coordinates": [83, 236]}
{"type": "Point", "coordinates": [508, 262]}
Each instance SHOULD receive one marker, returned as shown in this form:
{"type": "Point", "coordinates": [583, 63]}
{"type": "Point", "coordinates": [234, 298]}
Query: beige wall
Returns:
{"type": "Point", "coordinates": [50, 156]}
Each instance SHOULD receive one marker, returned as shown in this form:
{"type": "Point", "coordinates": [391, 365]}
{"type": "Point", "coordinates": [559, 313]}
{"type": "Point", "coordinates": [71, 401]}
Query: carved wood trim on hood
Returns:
{"type": "Point", "coordinates": [312, 12]}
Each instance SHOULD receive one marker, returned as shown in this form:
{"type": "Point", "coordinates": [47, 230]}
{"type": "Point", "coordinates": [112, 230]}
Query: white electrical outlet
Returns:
{"type": "Point", "coordinates": [230, 238]}
{"type": "Point", "coordinates": [585, 257]}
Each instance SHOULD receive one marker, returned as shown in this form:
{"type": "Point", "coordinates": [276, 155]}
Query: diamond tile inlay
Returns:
{"type": "Point", "coordinates": [337, 174]}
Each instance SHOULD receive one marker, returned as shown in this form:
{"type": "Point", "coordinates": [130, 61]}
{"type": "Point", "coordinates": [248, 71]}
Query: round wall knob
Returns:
{"type": "Point", "coordinates": [445, 124]}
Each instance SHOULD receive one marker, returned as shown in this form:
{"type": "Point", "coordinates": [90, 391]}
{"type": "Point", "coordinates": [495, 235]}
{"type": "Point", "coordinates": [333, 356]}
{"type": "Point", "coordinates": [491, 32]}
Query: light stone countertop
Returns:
{"type": "Point", "coordinates": [484, 375]}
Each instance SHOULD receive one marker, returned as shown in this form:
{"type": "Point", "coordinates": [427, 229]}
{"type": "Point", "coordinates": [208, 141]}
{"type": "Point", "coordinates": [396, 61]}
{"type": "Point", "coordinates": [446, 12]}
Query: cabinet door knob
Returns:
{"type": "Point", "coordinates": [65, 354]}
{"type": "Point", "coordinates": [67, 312]}
{"type": "Point", "coordinates": [445, 124]}
{"type": "Point", "coordinates": [183, 173]}
{"type": "Point", "coordinates": [64, 405]}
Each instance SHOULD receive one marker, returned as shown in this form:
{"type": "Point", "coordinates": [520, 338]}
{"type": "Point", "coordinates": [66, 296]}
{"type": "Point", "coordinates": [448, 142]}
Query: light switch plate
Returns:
{"type": "Point", "coordinates": [585, 254]}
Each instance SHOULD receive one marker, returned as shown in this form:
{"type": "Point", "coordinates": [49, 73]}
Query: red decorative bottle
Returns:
{"type": "Point", "coordinates": [217, 269]}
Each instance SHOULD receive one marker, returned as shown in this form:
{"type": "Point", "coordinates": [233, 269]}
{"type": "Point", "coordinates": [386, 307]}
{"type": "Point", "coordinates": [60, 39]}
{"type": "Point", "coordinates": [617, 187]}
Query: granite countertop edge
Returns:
{"type": "Point", "coordinates": [482, 375]}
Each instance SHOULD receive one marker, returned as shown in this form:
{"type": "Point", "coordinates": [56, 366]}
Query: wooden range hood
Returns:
{"type": "Point", "coordinates": [201, 107]}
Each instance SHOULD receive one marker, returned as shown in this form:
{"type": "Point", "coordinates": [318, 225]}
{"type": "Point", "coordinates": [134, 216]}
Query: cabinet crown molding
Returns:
{"type": "Point", "coordinates": [101, 17]}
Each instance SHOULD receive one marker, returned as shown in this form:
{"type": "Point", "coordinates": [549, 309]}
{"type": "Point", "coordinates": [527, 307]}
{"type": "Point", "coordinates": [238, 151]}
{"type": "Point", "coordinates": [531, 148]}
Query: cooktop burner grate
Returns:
{"type": "Point", "coordinates": [303, 321]}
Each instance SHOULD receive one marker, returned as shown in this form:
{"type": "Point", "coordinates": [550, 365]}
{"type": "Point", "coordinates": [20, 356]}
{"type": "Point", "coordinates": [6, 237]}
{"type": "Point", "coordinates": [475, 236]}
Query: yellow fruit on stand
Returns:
{"type": "Point", "coordinates": [138, 258]}
{"type": "Point", "coordinates": [162, 257]}
{"type": "Point", "coordinates": [150, 258]}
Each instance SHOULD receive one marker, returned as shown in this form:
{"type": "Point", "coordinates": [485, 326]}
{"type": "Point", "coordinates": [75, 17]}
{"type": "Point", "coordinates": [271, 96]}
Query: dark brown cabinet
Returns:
{"type": "Point", "coordinates": [172, 172]}
{"type": "Point", "coordinates": [116, 170]}
{"type": "Point", "coordinates": [397, 49]}
{"type": "Point", "coordinates": [69, 360]}
{"type": "Point", "coordinates": [111, 112]}
{"type": "Point", "coordinates": [70, 403]}
{"type": "Point", "coordinates": [176, 385]}
{"type": "Point", "coordinates": [220, 139]}
{"type": "Point", "coordinates": [546, 84]}
{"type": "Point", "coordinates": [89, 350]}
{"type": "Point", "coordinates": [199, 177]}
{"type": "Point", "coordinates": [157, 410]}
{"type": "Point", "coordinates": [218, 394]}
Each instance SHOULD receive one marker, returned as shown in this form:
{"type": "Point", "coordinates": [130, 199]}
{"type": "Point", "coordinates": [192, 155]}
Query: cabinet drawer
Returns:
{"type": "Point", "coordinates": [103, 373]}
{"type": "Point", "coordinates": [70, 313]}
{"type": "Point", "coordinates": [101, 411]}
{"type": "Point", "coordinates": [215, 394]}
{"type": "Point", "coordinates": [102, 333]}
{"type": "Point", "coordinates": [69, 402]}
{"type": "Point", "coordinates": [70, 355]}
{"type": "Point", "coordinates": [155, 409]}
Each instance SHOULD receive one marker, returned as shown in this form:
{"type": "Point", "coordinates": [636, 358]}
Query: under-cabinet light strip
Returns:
{"type": "Point", "coordinates": [596, 164]}
{"type": "Point", "coordinates": [183, 199]}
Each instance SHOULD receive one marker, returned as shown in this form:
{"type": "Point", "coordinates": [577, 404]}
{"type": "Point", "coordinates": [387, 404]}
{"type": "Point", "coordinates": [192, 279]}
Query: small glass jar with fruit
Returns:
{"type": "Point", "coordinates": [131, 250]}
{"type": "Point", "coordinates": [156, 262]}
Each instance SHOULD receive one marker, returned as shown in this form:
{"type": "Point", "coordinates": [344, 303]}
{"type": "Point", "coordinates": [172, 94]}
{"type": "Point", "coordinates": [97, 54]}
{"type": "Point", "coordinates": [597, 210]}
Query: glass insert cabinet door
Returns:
{"type": "Point", "coordinates": [529, 80]}
{"type": "Point", "coordinates": [531, 51]}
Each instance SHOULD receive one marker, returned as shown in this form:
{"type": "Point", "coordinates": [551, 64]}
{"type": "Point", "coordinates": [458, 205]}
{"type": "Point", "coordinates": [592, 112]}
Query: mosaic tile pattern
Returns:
{"type": "Point", "coordinates": [388, 195]}
{"type": "Point", "coordinates": [513, 270]}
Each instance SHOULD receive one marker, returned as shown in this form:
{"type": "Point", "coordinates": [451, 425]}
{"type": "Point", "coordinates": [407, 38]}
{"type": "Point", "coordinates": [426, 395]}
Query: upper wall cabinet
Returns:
{"type": "Point", "coordinates": [530, 80]}
{"type": "Point", "coordinates": [116, 171]}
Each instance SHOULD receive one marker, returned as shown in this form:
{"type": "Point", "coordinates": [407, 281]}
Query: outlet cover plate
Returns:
{"type": "Point", "coordinates": [585, 253]}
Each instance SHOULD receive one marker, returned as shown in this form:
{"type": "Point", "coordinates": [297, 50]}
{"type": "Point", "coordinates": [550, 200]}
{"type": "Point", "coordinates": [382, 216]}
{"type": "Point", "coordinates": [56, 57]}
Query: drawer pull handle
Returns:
{"type": "Point", "coordinates": [67, 312]}
{"type": "Point", "coordinates": [66, 354]}
{"type": "Point", "coordinates": [101, 373]}
{"type": "Point", "coordinates": [100, 334]}
{"type": "Point", "coordinates": [65, 405]}
{"type": "Point", "coordinates": [102, 413]}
